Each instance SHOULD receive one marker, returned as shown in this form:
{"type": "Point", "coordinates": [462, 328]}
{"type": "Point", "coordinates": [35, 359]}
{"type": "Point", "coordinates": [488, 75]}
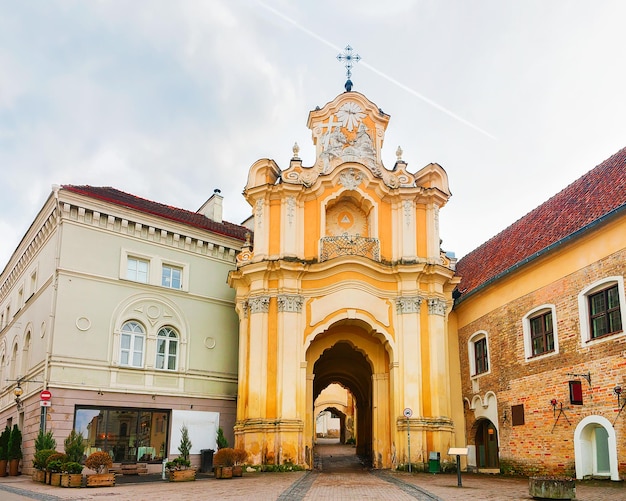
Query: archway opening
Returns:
{"type": "Point", "coordinates": [347, 367]}
{"type": "Point", "coordinates": [335, 411]}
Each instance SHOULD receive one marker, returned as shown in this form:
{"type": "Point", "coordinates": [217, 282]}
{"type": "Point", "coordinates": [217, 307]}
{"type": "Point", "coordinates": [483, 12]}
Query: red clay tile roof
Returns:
{"type": "Point", "coordinates": [583, 203]}
{"type": "Point", "coordinates": [194, 219]}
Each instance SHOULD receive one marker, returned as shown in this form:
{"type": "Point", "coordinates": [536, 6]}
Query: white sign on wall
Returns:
{"type": "Point", "coordinates": [202, 428]}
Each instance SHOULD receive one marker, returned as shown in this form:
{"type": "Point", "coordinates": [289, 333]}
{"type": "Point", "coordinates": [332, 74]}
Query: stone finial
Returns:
{"type": "Point", "coordinates": [296, 151]}
{"type": "Point", "coordinates": [399, 154]}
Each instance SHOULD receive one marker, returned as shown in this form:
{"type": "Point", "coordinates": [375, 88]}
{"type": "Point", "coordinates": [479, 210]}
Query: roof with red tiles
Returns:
{"type": "Point", "coordinates": [597, 195]}
{"type": "Point", "coordinates": [195, 219]}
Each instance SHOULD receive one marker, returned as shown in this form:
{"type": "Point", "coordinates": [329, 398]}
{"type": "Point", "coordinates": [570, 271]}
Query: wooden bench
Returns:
{"type": "Point", "coordinates": [133, 469]}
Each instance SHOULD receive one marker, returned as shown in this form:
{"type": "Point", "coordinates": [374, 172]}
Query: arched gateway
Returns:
{"type": "Point", "coordinates": [346, 283]}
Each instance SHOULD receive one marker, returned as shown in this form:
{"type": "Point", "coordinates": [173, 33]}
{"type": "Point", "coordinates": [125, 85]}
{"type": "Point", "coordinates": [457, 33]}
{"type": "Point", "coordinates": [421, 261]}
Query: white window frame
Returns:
{"type": "Point", "coordinates": [477, 336]}
{"type": "Point", "coordinates": [583, 309]}
{"type": "Point", "coordinates": [127, 256]}
{"type": "Point", "coordinates": [528, 344]}
{"type": "Point", "coordinates": [168, 342]}
{"type": "Point", "coordinates": [132, 350]}
{"type": "Point", "coordinates": [167, 264]}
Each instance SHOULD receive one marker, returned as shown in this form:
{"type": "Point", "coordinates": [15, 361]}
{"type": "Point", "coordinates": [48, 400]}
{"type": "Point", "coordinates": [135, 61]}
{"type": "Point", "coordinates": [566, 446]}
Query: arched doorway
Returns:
{"type": "Point", "coordinates": [595, 449]}
{"type": "Point", "coordinates": [351, 355]}
{"type": "Point", "coordinates": [486, 445]}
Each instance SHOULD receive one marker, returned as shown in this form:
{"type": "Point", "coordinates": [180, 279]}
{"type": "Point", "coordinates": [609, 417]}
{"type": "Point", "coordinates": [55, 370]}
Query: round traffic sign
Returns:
{"type": "Point", "coordinates": [45, 395]}
{"type": "Point", "coordinates": [407, 413]}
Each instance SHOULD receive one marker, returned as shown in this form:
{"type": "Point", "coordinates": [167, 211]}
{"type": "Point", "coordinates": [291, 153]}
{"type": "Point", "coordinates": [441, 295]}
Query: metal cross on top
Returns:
{"type": "Point", "coordinates": [349, 59]}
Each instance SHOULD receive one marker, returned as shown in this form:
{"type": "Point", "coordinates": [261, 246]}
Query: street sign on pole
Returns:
{"type": "Point", "coordinates": [45, 403]}
{"type": "Point", "coordinates": [407, 414]}
{"type": "Point", "coordinates": [45, 395]}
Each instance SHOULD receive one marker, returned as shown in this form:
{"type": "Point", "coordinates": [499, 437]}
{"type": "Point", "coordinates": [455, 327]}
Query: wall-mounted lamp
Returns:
{"type": "Point", "coordinates": [618, 391]}
{"type": "Point", "coordinates": [18, 391]}
{"type": "Point", "coordinates": [505, 417]}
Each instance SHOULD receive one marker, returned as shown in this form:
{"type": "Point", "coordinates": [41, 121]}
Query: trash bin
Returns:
{"type": "Point", "coordinates": [206, 460]}
{"type": "Point", "coordinates": [434, 462]}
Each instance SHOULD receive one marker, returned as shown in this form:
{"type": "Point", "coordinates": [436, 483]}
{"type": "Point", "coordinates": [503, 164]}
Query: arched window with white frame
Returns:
{"type": "Point", "coordinates": [602, 309]}
{"type": "Point", "coordinates": [132, 344]}
{"type": "Point", "coordinates": [540, 332]}
{"type": "Point", "coordinates": [478, 352]}
{"type": "Point", "coordinates": [167, 349]}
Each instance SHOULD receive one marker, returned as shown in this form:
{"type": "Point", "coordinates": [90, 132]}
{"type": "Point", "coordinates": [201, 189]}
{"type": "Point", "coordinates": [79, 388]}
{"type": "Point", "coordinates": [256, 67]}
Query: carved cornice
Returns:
{"type": "Point", "coordinates": [290, 303]}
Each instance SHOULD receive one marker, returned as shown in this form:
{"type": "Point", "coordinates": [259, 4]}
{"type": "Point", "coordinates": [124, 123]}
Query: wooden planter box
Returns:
{"type": "Point", "coordinates": [551, 488]}
{"type": "Point", "coordinates": [223, 472]}
{"type": "Point", "coordinates": [55, 479]}
{"type": "Point", "coordinates": [39, 476]}
{"type": "Point", "coordinates": [100, 480]}
{"type": "Point", "coordinates": [237, 471]}
{"type": "Point", "coordinates": [71, 480]}
{"type": "Point", "coordinates": [182, 475]}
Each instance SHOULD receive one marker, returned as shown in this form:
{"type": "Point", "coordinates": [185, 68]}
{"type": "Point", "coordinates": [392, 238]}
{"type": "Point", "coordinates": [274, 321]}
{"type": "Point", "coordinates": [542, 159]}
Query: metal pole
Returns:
{"type": "Point", "coordinates": [408, 436]}
{"type": "Point", "coordinates": [458, 471]}
{"type": "Point", "coordinates": [42, 420]}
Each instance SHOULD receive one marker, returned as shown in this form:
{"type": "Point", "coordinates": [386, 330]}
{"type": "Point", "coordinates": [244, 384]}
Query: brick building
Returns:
{"type": "Point", "coordinates": [540, 311]}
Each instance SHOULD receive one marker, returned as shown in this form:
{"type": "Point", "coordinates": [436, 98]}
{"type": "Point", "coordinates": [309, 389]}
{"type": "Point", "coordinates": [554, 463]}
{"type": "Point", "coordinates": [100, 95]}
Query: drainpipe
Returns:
{"type": "Point", "coordinates": [55, 287]}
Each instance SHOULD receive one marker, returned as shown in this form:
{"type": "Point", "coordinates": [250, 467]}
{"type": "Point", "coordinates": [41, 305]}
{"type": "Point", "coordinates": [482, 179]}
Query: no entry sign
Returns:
{"type": "Point", "coordinates": [45, 395]}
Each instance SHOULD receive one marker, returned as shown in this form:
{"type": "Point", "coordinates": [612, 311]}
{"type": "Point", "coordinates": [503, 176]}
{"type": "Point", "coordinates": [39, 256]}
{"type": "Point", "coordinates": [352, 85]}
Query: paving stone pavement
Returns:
{"type": "Point", "coordinates": [339, 476]}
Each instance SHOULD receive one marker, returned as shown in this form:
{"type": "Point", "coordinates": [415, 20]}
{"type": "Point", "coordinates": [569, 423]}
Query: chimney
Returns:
{"type": "Point", "coordinates": [212, 208]}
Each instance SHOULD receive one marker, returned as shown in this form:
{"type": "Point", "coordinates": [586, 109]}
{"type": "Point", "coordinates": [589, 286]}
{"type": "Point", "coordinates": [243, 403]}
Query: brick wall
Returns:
{"type": "Point", "coordinates": [544, 445]}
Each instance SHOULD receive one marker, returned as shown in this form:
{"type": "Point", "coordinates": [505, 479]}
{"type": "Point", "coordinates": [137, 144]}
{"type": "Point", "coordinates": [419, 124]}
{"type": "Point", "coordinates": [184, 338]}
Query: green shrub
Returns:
{"type": "Point", "coordinates": [4, 443]}
{"type": "Point", "coordinates": [55, 466]}
{"type": "Point", "coordinates": [75, 446]}
{"type": "Point", "coordinates": [53, 458]}
{"type": "Point", "coordinates": [72, 467]}
{"type": "Point", "coordinates": [45, 441]}
{"type": "Point", "coordinates": [15, 443]}
{"type": "Point", "coordinates": [179, 463]}
{"type": "Point", "coordinates": [185, 444]}
{"type": "Point", "coordinates": [41, 458]}
{"type": "Point", "coordinates": [221, 439]}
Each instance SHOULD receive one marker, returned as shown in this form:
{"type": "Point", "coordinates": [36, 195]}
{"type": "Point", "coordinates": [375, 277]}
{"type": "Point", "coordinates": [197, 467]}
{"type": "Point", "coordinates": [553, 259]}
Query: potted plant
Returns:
{"type": "Point", "coordinates": [72, 474]}
{"type": "Point", "coordinates": [15, 450]}
{"type": "Point", "coordinates": [40, 462]}
{"type": "Point", "coordinates": [100, 462]}
{"type": "Point", "coordinates": [179, 468]}
{"type": "Point", "coordinates": [4, 450]}
{"type": "Point", "coordinates": [239, 458]}
{"type": "Point", "coordinates": [223, 462]}
{"type": "Point", "coordinates": [54, 466]}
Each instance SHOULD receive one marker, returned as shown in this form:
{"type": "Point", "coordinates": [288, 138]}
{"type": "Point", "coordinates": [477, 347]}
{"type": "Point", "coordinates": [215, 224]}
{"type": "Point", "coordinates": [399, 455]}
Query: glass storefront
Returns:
{"type": "Point", "coordinates": [127, 434]}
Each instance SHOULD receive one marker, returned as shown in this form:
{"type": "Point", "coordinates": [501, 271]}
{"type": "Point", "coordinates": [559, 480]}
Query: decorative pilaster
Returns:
{"type": "Point", "coordinates": [408, 304]}
{"type": "Point", "coordinates": [259, 304]}
{"type": "Point", "coordinates": [437, 306]}
{"type": "Point", "coordinates": [290, 303]}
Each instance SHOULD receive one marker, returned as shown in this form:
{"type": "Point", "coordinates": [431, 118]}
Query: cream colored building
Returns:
{"type": "Point", "coordinates": [347, 284]}
{"type": "Point", "coordinates": [119, 307]}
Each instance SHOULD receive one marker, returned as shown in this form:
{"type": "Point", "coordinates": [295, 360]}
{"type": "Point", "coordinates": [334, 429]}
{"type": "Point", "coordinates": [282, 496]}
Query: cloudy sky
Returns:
{"type": "Point", "coordinates": [170, 100]}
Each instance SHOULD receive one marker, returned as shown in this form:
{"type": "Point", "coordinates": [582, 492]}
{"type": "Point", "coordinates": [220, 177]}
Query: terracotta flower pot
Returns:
{"type": "Point", "coordinates": [14, 467]}
{"type": "Point", "coordinates": [3, 467]}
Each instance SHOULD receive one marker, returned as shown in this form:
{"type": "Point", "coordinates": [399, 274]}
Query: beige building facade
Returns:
{"type": "Point", "coordinates": [109, 304]}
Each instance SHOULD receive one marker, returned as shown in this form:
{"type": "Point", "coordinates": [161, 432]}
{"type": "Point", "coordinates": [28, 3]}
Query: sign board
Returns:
{"type": "Point", "coordinates": [45, 403]}
{"type": "Point", "coordinates": [407, 413]}
{"type": "Point", "coordinates": [45, 395]}
{"type": "Point", "coordinates": [457, 451]}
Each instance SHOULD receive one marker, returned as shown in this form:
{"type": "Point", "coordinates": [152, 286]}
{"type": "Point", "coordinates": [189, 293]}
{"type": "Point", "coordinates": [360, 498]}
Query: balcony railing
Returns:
{"type": "Point", "coordinates": [349, 245]}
